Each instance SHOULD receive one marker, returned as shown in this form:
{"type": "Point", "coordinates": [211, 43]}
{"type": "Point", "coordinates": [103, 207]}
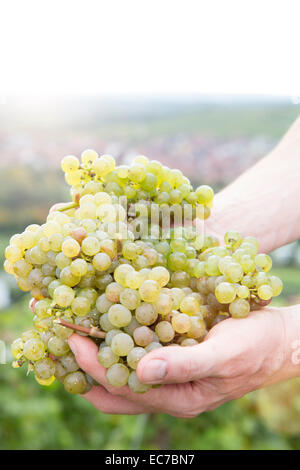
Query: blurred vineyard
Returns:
{"type": "Point", "coordinates": [210, 143]}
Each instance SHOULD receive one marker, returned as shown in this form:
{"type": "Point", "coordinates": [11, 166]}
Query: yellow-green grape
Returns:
{"type": "Point", "coordinates": [9, 267]}
{"type": "Point", "coordinates": [164, 304]}
{"type": "Point", "coordinates": [103, 303]}
{"type": "Point", "coordinates": [137, 173]}
{"type": "Point", "coordinates": [149, 291]}
{"type": "Point", "coordinates": [79, 267]}
{"type": "Point", "coordinates": [55, 241]}
{"type": "Point", "coordinates": [247, 264]}
{"type": "Point", "coordinates": [198, 328]}
{"type": "Point", "coordinates": [107, 357]}
{"type": "Point", "coordinates": [135, 385]}
{"type": "Point", "coordinates": [117, 375]}
{"type": "Point", "coordinates": [134, 356]}
{"type": "Point", "coordinates": [45, 382]}
{"type": "Point", "coordinates": [122, 344]}
{"type": "Point", "coordinates": [130, 298]}
{"type": "Point", "coordinates": [249, 248]}
{"type": "Point", "coordinates": [160, 274]}
{"type": "Point", "coordinates": [44, 368]}
{"type": "Point", "coordinates": [164, 331]}
{"type": "Point", "coordinates": [242, 291]}
{"type": "Point", "coordinates": [101, 262]}
{"type": "Point", "coordinates": [113, 292]}
{"type": "Point", "coordinates": [70, 163]}
{"type": "Point", "coordinates": [90, 246]}
{"type": "Point", "coordinates": [239, 308]}
{"type": "Point", "coordinates": [260, 278]}
{"type": "Point", "coordinates": [224, 262]}
{"type": "Point", "coordinates": [17, 348]}
{"type": "Point", "coordinates": [26, 335]}
{"type": "Point", "coordinates": [121, 273]}
{"type": "Point", "coordinates": [177, 295]}
{"type": "Point", "coordinates": [34, 349]}
{"type": "Point", "coordinates": [204, 194]}
{"type": "Point", "coordinates": [190, 305]}
{"type": "Point", "coordinates": [69, 362]}
{"type": "Point", "coordinates": [233, 272]}
{"type": "Point", "coordinates": [134, 279]}
{"type": "Point", "coordinates": [58, 346]}
{"type": "Point", "coordinates": [28, 240]}
{"type": "Point", "coordinates": [146, 314]}
{"type": "Point", "coordinates": [88, 156]}
{"type": "Point", "coordinates": [225, 292]}
{"type": "Point", "coordinates": [119, 315]}
{"type": "Point", "coordinates": [130, 251]}
{"type": "Point", "coordinates": [143, 335]}
{"type": "Point", "coordinates": [265, 292]}
{"type": "Point", "coordinates": [181, 323]}
{"type": "Point", "coordinates": [75, 382]}
{"type": "Point", "coordinates": [102, 198]}
{"type": "Point", "coordinates": [13, 253]}
{"type": "Point", "coordinates": [152, 346]}
{"type": "Point", "coordinates": [63, 296]}
{"type": "Point", "coordinates": [264, 262]}
{"type": "Point", "coordinates": [70, 248]}
{"type": "Point", "coordinates": [276, 285]}
{"type": "Point", "coordinates": [81, 306]}
{"type": "Point", "coordinates": [233, 239]}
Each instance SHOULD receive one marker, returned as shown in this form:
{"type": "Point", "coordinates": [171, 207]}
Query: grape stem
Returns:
{"type": "Point", "coordinates": [95, 332]}
{"type": "Point", "coordinates": [66, 207]}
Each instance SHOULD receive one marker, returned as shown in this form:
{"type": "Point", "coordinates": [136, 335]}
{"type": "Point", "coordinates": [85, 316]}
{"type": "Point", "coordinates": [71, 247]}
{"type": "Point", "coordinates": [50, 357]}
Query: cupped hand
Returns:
{"type": "Point", "coordinates": [236, 357]}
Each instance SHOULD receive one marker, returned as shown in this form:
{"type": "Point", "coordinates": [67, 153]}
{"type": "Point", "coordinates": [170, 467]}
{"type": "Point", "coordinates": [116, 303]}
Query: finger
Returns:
{"type": "Point", "coordinates": [86, 354]}
{"type": "Point", "coordinates": [112, 404]}
{"type": "Point", "coordinates": [178, 364]}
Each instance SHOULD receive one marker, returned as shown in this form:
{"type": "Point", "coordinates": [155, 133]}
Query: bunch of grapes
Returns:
{"type": "Point", "coordinates": [102, 267]}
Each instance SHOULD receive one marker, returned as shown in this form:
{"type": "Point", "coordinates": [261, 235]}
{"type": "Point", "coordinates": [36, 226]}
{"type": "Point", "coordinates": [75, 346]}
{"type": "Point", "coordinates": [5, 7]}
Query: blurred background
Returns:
{"type": "Point", "coordinates": [125, 88]}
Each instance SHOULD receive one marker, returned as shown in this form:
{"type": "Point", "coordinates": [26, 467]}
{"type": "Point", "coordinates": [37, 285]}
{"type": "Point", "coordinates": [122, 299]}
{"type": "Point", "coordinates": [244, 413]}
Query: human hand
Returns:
{"type": "Point", "coordinates": [236, 357]}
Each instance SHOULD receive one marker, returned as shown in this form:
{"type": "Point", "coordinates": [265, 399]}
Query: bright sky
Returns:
{"type": "Point", "coordinates": [150, 46]}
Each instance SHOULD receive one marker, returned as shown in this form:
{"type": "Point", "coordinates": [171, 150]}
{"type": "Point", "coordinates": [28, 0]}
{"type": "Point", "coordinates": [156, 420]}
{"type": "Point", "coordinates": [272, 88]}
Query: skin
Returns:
{"type": "Point", "coordinates": [238, 355]}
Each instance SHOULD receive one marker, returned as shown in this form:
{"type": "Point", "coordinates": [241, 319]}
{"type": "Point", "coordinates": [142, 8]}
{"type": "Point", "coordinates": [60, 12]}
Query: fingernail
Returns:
{"type": "Point", "coordinates": [72, 345]}
{"type": "Point", "coordinates": [155, 371]}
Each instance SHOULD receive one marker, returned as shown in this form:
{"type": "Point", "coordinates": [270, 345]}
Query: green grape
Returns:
{"type": "Point", "coordinates": [149, 291]}
{"type": "Point", "coordinates": [190, 305]}
{"type": "Point", "coordinates": [135, 385]}
{"type": "Point", "coordinates": [146, 314]}
{"type": "Point", "coordinates": [70, 163]}
{"type": "Point", "coordinates": [113, 292]}
{"type": "Point", "coordinates": [239, 308]}
{"type": "Point", "coordinates": [180, 279]}
{"type": "Point", "coordinates": [134, 279]}
{"type": "Point", "coordinates": [177, 261]}
{"type": "Point", "coordinates": [130, 298]}
{"type": "Point", "coordinates": [264, 262]}
{"type": "Point", "coordinates": [117, 375]}
{"type": "Point", "coordinates": [143, 336]}
{"type": "Point", "coordinates": [233, 272]}
{"type": "Point", "coordinates": [90, 246]}
{"type": "Point", "coordinates": [81, 306]}
{"type": "Point", "coordinates": [152, 346]}
{"type": "Point", "coordinates": [242, 291]}
{"type": "Point", "coordinates": [247, 264]}
{"type": "Point", "coordinates": [107, 357]}
{"type": "Point", "coordinates": [212, 266]}
{"type": "Point", "coordinates": [181, 323]}
{"type": "Point", "coordinates": [58, 346]}
{"type": "Point", "coordinates": [134, 356]}
{"type": "Point", "coordinates": [63, 296]}
{"type": "Point", "coordinates": [75, 382]}
{"type": "Point", "coordinates": [119, 315]}
{"type": "Point", "coordinates": [17, 348]}
{"type": "Point", "coordinates": [276, 285]}
{"type": "Point", "coordinates": [101, 261]}
{"type": "Point", "coordinates": [132, 326]}
{"type": "Point", "coordinates": [103, 304]}
{"type": "Point", "coordinates": [34, 349]}
{"type": "Point", "coordinates": [204, 194]}
{"type": "Point", "coordinates": [78, 267]}
{"type": "Point", "coordinates": [189, 342]}
{"type": "Point", "coordinates": [44, 368]}
{"type": "Point", "coordinates": [121, 273]}
{"type": "Point", "coordinates": [68, 278]}
{"type": "Point", "coordinates": [42, 307]}
{"type": "Point", "coordinates": [233, 239]}
{"type": "Point", "coordinates": [122, 344]}
{"type": "Point", "coordinates": [198, 328]}
{"type": "Point", "coordinates": [164, 331]}
{"type": "Point", "coordinates": [225, 292]}
{"type": "Point", "coordinates": [265, 292]}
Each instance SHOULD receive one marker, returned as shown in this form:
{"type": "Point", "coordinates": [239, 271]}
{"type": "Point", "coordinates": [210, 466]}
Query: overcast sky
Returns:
{"type": "Point", "coordinates": [150, 46]}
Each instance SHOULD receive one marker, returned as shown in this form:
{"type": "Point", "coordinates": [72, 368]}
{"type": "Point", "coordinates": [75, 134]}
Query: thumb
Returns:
{"type": "Point", "coordinates": [174, 364]}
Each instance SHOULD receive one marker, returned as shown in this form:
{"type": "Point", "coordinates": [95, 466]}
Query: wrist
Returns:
{"type": "Point", "coordinates": [287, 355]}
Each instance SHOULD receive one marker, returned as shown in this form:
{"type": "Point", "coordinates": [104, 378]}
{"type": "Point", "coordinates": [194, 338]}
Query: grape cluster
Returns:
{"type": "Point", "coordinates": [101, 267]}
